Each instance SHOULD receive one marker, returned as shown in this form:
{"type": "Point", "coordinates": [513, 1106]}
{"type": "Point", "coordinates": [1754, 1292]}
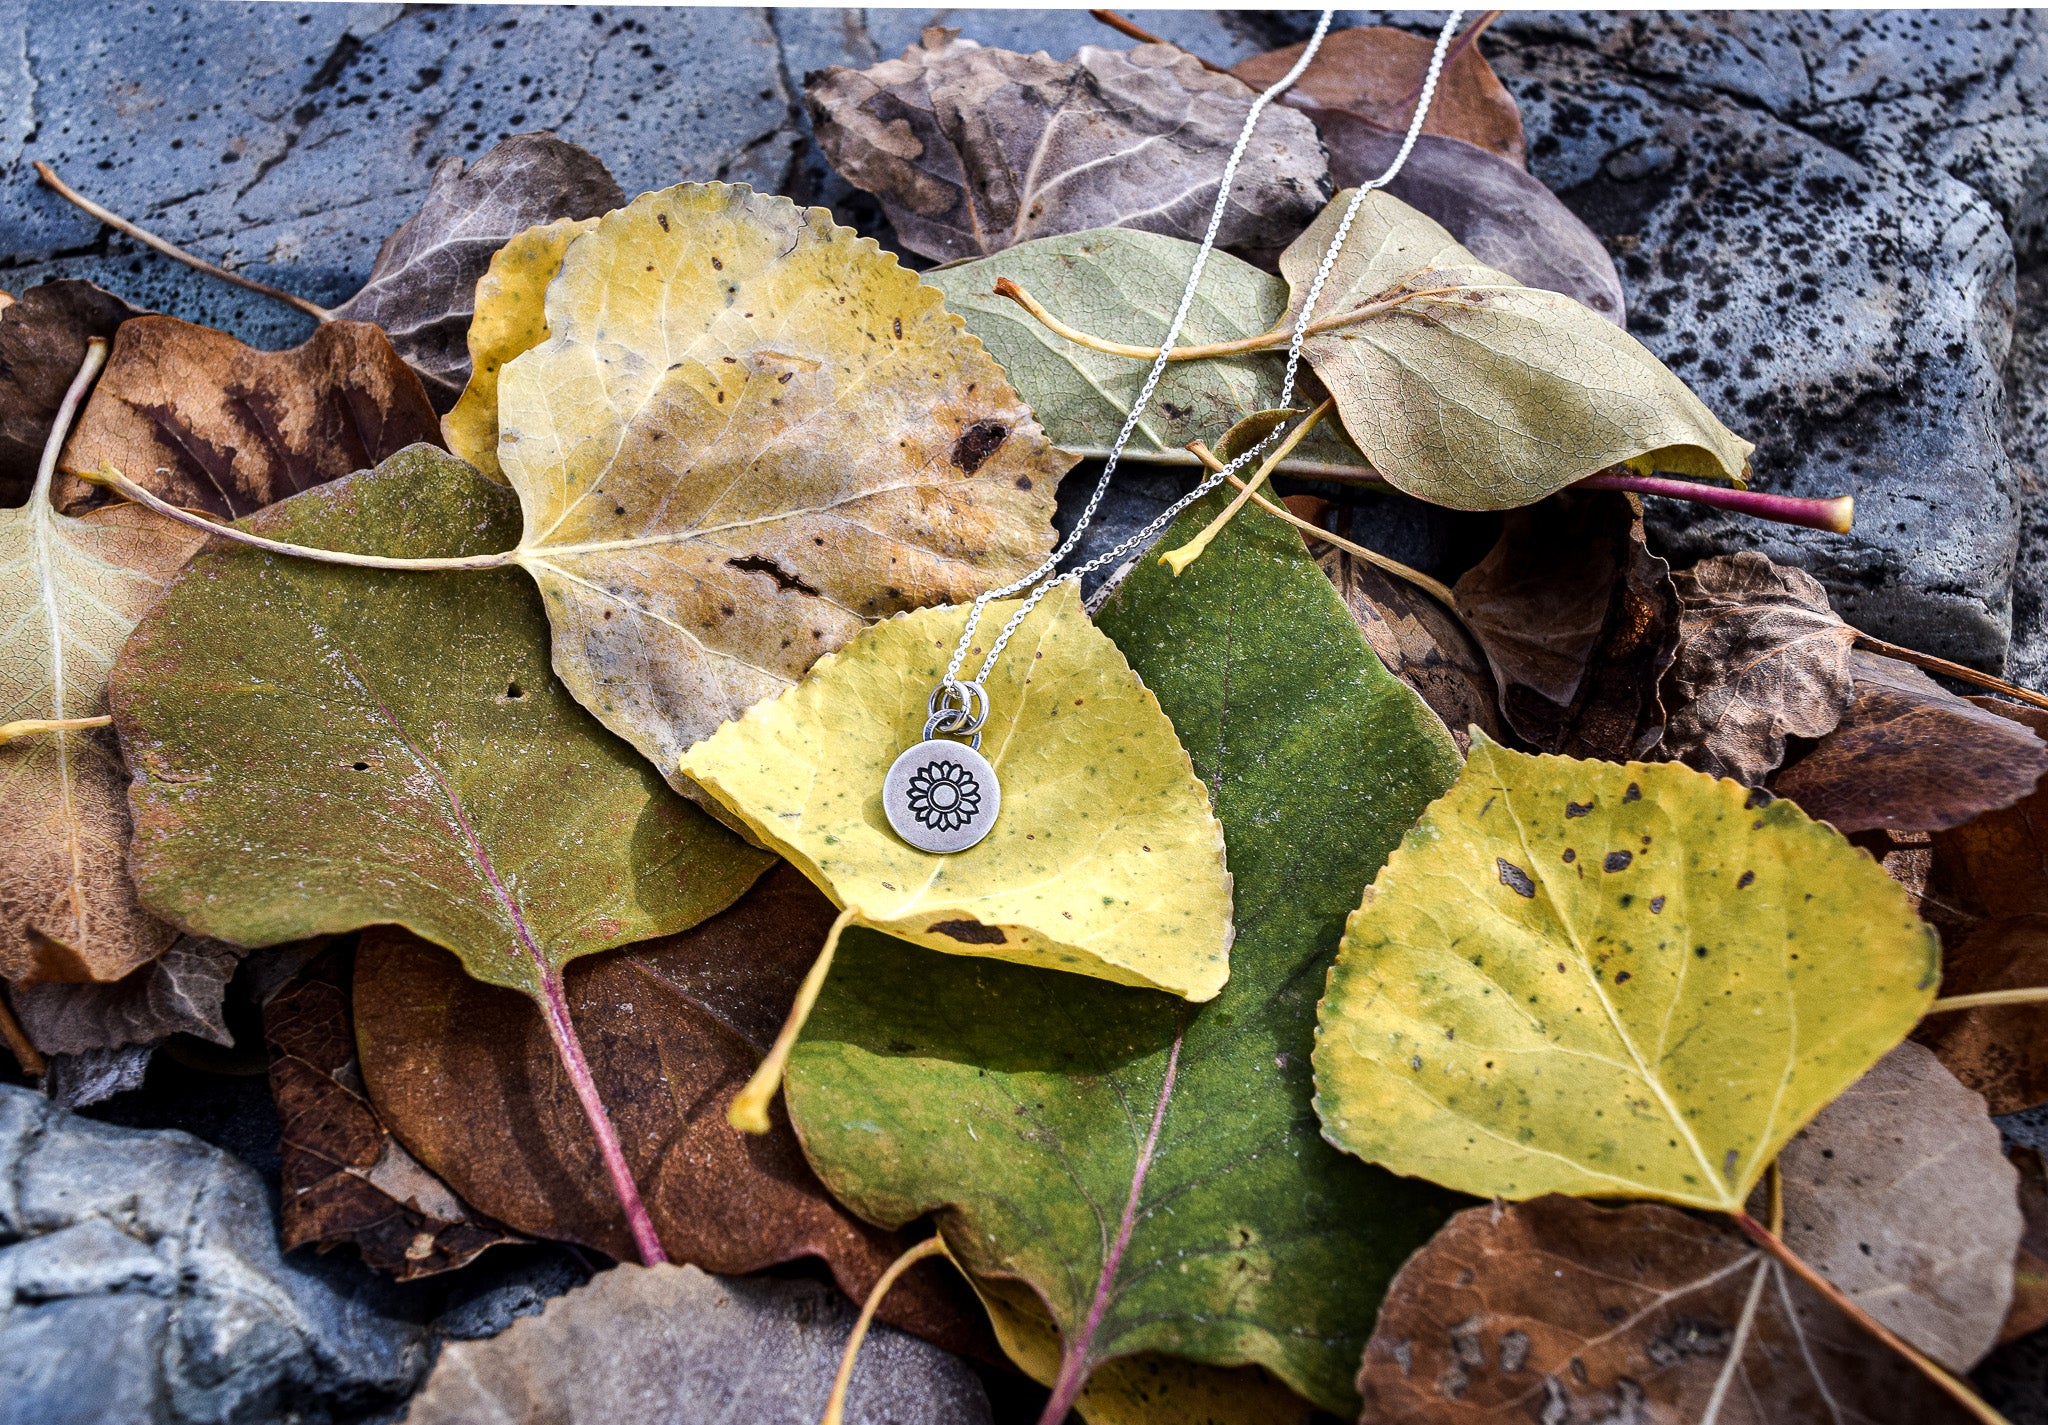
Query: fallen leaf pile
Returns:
{"type": "Point", "coordinates": [1578, 990]}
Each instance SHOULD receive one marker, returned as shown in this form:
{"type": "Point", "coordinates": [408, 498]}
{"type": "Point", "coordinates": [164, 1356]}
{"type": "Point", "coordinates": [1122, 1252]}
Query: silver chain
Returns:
{"type": "Point", "coordinates": [959, 708]}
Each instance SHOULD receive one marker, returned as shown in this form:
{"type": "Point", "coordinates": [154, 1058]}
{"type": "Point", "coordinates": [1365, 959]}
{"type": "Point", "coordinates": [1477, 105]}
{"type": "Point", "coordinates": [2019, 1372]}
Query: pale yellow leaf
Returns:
{"type": "Point", "coordinates": [1105, 860]}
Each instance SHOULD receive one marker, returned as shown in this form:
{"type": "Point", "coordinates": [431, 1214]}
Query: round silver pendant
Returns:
{"type": "Point", "coordinates": [941, 796]}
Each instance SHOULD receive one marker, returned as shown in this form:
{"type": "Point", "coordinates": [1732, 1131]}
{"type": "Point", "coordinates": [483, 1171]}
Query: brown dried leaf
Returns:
{"type": "Point", "coordinates": [1911, 756]}
{"type": "Point", "coordinates": [1761, 656]}
{"type": "Point", "coordinates": [1373, 73]}
{"type": "Point", "coordinates": [346, 1179]}
{"type": "Point", "coordinates": [2030, 1273]}
{"type": "Point", "coordinates": [42, 342]}
{"type": "Point", "coordinates": [1994, 865]}
{"type": "Point", "coordinates": [179, 992]}
{"type": "Point", "coordinates": [1579, 622]}
{"type": "Point", "coordinates": [464, 1074]}
{"type": "Point", "coordinates": [1557, 1310]}
{"type": "Point", "coordinates": [2001, 1052]}
{"type": "Point", "coordinates": [196, 417]}
{"type": "Point", "coordinates": [1900, 1194]}
{"type": "Point", "coordinates": [972, 150]}
{"type": "Point", "coordinates": [422, 288]}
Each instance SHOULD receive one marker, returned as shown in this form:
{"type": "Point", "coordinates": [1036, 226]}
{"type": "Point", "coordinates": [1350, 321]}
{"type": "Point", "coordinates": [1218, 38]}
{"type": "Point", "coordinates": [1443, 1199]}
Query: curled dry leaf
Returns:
{"type": "Point", "coordinates": [1375, 73]}
{"type": "Point", "coordinates": [464, 1074]}
{"type": "Point", "coordinates": [510, 318]}
{"type": "Point", "coordinates": [749, 434]}
{"type": "Point", "coordinates": [1041, 1115]}
{"type": "Point", "coordinates": [346, 1180]}
{"type": "Point", "coordinates": [421, 285]}
{"type": "Point", "coordinates": [662, 1345]}
{"type": "Point", "coordinates": [179, 992]}
{"type": "Point", "coordinates": [1493, 394]}
{"type": "Point", "coordinates": [1579, 622]}
{"type": "Point", "coordinates": [1106, 860]}
{"type": "Point", "coordinates": [973, 150]}
{"type": "Point", "coordinates": [194, 416]}
{"type": "Point", "coordinates": [1557, 1310]}
{"type": "Point", "coordinates": [42, 343]}
{"type": "Point", "coordinates": [1911, 756]}
{"type": "Point", "coordinates": [1125, 286]}
{"type": "Point", "coordinates": [1761, 656]}
{"type": "Point", "coordinates": [1899, 1193]}
{"type": "Point", "coordinates": [1612, 980]}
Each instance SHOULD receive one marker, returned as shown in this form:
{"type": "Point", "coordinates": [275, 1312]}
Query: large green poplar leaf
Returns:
{"type": "Point", "coordinates": [1044, 1117]}
{"type": "Point", "coordinates": [1613, 980]}
{"type": "Point", "coordinates": [317, 748]}
{"type": "Point", "coordinates": [1124, 285]}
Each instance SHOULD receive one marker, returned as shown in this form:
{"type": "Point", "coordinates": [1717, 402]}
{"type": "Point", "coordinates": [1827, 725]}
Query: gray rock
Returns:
{"type": "Point", "coordinates": [2026, 441]}
{"type": "Point", "coordinates": [141, 1282]}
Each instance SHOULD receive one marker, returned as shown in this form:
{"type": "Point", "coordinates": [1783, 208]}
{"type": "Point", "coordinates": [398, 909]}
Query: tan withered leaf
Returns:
{"type": "Point", "coordinates": [346, 1180]}
{"type": "Point", "coordinates": [972, 150]}
{"type": "Point", "coordinates": [1557, 1310]}
{"type": "Point", "coordinates": [73, 589]}
{"type": "Point", "coordinates": [42, 342]}
{"type": "Point", "coordinates": [1899, 1193]}
{"type": "Point", "coordinates": [749, 434]}
{"type": "Point", "coordinates": [179, 992]}
{"type": "Point", "coordinates": [1911, 756]}
{"type": "Point", "coordinates": [1761, 656]}
{"type": "Point", "coordinates": [193, 415]}
{"type": "Point", "coordinates": [1579, 622]}
{"type": "Point", "coordinates": [464, 1074]}
{"type": "Point", "coordinates": [1375, 73]}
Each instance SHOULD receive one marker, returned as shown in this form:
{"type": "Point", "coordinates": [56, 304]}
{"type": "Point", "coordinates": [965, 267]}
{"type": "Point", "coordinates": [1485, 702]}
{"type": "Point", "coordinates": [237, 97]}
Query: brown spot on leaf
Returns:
{"type": "Point", "coordinates": [969, 932]}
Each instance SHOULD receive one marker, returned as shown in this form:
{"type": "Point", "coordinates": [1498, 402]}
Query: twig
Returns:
{"type": "Point", "coordinates": [835, 1404]}
{"type": "Point", "coordinates": [1179, 559]}
{"type": "Point", "coordinates": [1420, 580]}
{"type": "Point", "coordinates": [171, 249]}
{"type": "Point", "coordinates": [1986, 999]}
{"type": "Point", "coordinates": [1955, 1389]}
{"type": "Point", "coordinates": [749, 1111]}
{"type": "Point", "coordinates": [1950, 670]}
{"type": "Point", "coordinates": [1458, 46]}
{"type": "Point", "coordinates": [1264, 341]}
{"type": "Point", "coordinates": [17, 1041]}
{"type": "Point", "coordinates": [1146, 37]}
{"type": "Point", "coordinates": [35, 726]}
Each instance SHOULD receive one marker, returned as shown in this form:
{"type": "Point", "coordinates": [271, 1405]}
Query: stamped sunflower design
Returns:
{"type": "Point", "coordinates": [944, 796]}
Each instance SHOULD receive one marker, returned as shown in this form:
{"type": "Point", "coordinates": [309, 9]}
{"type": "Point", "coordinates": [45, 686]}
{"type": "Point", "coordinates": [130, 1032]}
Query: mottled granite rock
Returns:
{"type": "Point", "coordinates": [140, 1282]}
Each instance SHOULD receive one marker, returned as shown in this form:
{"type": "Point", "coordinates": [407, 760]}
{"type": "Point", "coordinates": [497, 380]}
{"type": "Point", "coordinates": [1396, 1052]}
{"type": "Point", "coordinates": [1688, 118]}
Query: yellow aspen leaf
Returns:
{"type": "Point", "coordinates": [1106, 859]}
{"type": "Point", "coordinates": [509, 320]}
{"type": "Point", "coordinates": [1610, 980]}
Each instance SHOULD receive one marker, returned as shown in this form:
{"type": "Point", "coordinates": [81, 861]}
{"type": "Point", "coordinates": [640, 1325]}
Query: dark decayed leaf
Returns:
{"type": "Point", "coordinates": [196, 417]}
{"type": "Point", "coordinates": [1762, 656]}
{"type": "Point", "coordinates": [464, 1074]}
{"type": "Point", "coordinates": [2030, 1273]}
{"type": "Point", "coordinates": [1579, 622]}
{"type": "Point", "coordinates": [1557, 1310]}
{"type": "Point", "coordinates": [422, 287]}
{"type": "Point", "coordinates": [1037, 1112]}
{"type": "Point", "coordinates": [1502, 215]}
{"type": "Point", "coordinates": [1911, 756]}
{"type": "Point", "coordinates": [346, 1180]}
{"type": "Point", "coordinates": [1375, 72]}
{"type": "Point", "coordinates": [179, 992]}
{"type": "Point", "coordinates": [42, 341]}
{"type": "Point", "coordinates": [974, 149]}
{"type": "Point", "coordinates": [1899, 1193]}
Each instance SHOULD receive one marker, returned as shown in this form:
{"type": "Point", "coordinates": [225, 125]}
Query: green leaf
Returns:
{"type": "Point", "coordinates": [1613, 980]}
{"type": "Point", "coordinates": [317, 748]}
{"type": "Point", "coordinates": [1124, 285]}
{"type": "Point", "coordinates": [1497, 394]}
{"type": "Point", "coordinates": [1018, 1105]}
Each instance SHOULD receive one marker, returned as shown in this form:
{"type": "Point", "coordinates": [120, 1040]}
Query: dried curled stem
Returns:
{"type": "Point", "coordinates": [1988, 999]}
{"type": "Point", "coordinates": [1947, 669]}
{"type": "Point", "coordinates": [749, 1111]}
{"type": "Point", "coordinates": [36, 726]}
{"type": "Point", "coordinates": [17, 1042]}
{"type": "Point", "coordinates": [835, 1404]}
{"type": "Point", "coordinates": [1179, 559]}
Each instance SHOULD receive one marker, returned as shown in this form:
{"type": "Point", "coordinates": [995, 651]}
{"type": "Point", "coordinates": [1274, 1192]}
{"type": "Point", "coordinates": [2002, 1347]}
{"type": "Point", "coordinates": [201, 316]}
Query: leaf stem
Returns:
{"type": "Point", "coordinates": [1836, 514]}
{"type": "Point", "coordinates": [1952, 1387]}
{"type": "Point", "coordinates": [171, 249]}
{"type": "Point", "coordinates": [1987, 999]}
{"type": "Point", "coordinates": [554, 1008]}
{"type": "Point", "coordinates": [835, 1404]}
{"type": "Point", "coordinates": [67, 410]}
{"type": "Point", "coordinates": [110, 478]}
{"type": "Point", "coordinates": [1950, 670]}
{"type": "Point", "coordinates": [1179, 559]}
{"type": "Point", "coordinates": [749, 1111]}
{"type": "Point", "coordinates": [17, 1041]}
{"type": "Point", "coordinates": [1146, 37]}
{"type": "Point", "coordinates": [1264, 341]}
{"type": "Point", "coordinates": [35, 726]}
